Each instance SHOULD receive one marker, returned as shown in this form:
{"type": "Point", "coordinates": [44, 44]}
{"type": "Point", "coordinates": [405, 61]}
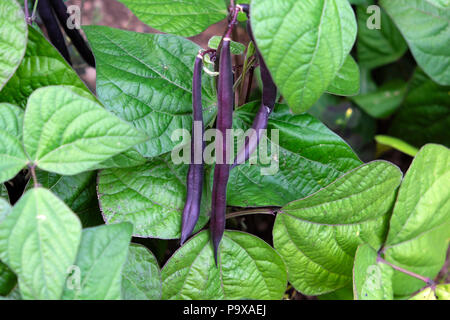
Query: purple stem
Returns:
{"type": "Point", "coordinates": [428, 281]}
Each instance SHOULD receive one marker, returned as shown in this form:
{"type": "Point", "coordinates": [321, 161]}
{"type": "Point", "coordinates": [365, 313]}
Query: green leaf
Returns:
{"type": "Point", "coordinates": [443, 291]}
{"type": "Point", "coordinates": [384, 101]}
{"type": "Point", "coordinates": [426, 294]}
{"type": "Point", "coordinates": [8, 280]}
{"type": "Point", "coordinates": [102, 254]}
{"type": "Point", "coordinates": [371, 280]}
{"type": "Point", "coordinates": [421, 219]}
{"type": "Point", "coordinates": [13, 39]}
{"type": "Point", "coordinates": [12, 155]}
{"type": "Point", "coordinates": [3, 191]}
{"type": "Point", "coordinates": [318, 236]}
{"type": "Point", "coordinates": [185, 18]}
{"type": "Point", "coordinates": [141, 277]}
{"type": "Point", "coordinates": [426, 28]}
{"type": "Point", "coordinates": [340, 294]}
{"type": "Point", "coordinates": [42, 66]}
{"type": "Point", "coordinates": [39, 242]}
{"type": "Point", "coordinates": [154, 194]}
{"type": "Point", "coordinates": [235, 47]}
{"type": "Point", "coordinates": [248, 269]}
{"type": "Point", "coordinates": [346, 82]}
{"type": "Point", "coordinates": [146, 79]}
{"type": "Point", "coordinates": [67, 133]}
{"type": "Point", "coordinates": [425, 114]}
{"type": "Point", "coordinates": [310, 157]}
{"type": "Point", "coordinates": [78, 192]}
{"type": "Point", "coordinates": [378, 47]}
{"type": "Point", "coordinates": [5, 209]}
{"type": "Point", "coordinates": [11, 119]}
{"type": "Point", "coordinates": [303, 55]}
{"type": "Point", "coordinates": [397, 144]}
{"type": "Point", "coordinates": [127, 159]}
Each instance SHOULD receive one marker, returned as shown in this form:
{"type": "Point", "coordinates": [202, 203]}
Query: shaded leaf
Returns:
{"type": "Point", "coordinates": [426, 29]}
{"type": "Point", "coordinates": [346, 82]}
{"type": "Point", "coordinates": [42, 66]}
{"type": "Point", "coordinates": [382, 102]}
{"type": "Point", "coordinates": [378, 47]}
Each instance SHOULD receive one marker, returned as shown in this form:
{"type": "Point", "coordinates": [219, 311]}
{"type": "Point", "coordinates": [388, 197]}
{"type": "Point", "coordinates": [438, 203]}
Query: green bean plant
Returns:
{"type": "Point", "coordinates": [93, 205]}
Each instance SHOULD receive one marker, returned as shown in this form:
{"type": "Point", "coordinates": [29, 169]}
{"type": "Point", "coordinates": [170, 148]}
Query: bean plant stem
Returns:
{"type": "Point", "coordinates": [428, 281]}
{"type": "Point", "coordinates": [33, 175]}
{"type": "Point", "coordinates": [251, 211]}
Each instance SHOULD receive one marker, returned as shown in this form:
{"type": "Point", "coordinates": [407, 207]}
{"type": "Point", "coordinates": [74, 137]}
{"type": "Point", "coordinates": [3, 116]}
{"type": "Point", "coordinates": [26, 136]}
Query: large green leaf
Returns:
{"type": "Point", "coordinates": [42, 66]}
{"type": "Point", "coordinates": [310, 157]}
{"type": "Point", "coordinates": [67, 133]}
{"type": "Point", "coordinates": [420, 225]}
{"type": "Point", "coordinates": [377, 47]}
{"type": "Point", "coordinates": [426, 28]}
{"type": "Point", "coordinates": [141, 277]}
{"type": "Point", "coordinates": [150, 196]}
{"type": "Point", "coordinates": [372, 280]}
{"type": "Point", "coordinates": [248, 269]}
{"type": "Point", "coordinates": [7, 278]}
{"type": "Point", "coordinates": [425, 115]}
{"type": "Point", "coordinates": [146, 79]}
{"type": "Point", "coordinates": [102, 254]}
{"type": "Point", "coordinates": [13, 39]}
{"type": "Point", "coordinates": [39, 242]}
{"type": "Point", "coordinates": [78, 192]}
{"type": "Point", "coordinates": [346, 82]}
{"type": "Point", "coordinates": [384, 101]}
{"type": "Point", "coordinates": [12, 155]}
{"type": "Point", "coordinates": [303, 55]}
{"type": "Point", "coordinates": [185, 18]}
{"type": "Point", "coordinates": [318, 236]}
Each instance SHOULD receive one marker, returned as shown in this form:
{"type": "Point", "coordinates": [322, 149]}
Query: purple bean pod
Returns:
{"type": "Point", "coordinates": [74, 34]}
{"type": "Point", "coordinates": [269, 97]}
{"type": "Point", "coordinates": [53, 30]}
{"type": "Point", "coordinates": [222, 170]}
{"type": "Point", "coordinates": [195, 175]}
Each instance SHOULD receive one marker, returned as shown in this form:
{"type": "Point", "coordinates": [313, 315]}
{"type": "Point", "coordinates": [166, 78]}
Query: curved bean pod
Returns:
{"type": "Point", "coordinates": [195, 175]}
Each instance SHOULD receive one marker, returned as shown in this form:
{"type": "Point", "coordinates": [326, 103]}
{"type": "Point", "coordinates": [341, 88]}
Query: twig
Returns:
{"type": "Point", "coordinates": [428, 281]}
{"type": "Point", "coordinates": [270, 211]}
